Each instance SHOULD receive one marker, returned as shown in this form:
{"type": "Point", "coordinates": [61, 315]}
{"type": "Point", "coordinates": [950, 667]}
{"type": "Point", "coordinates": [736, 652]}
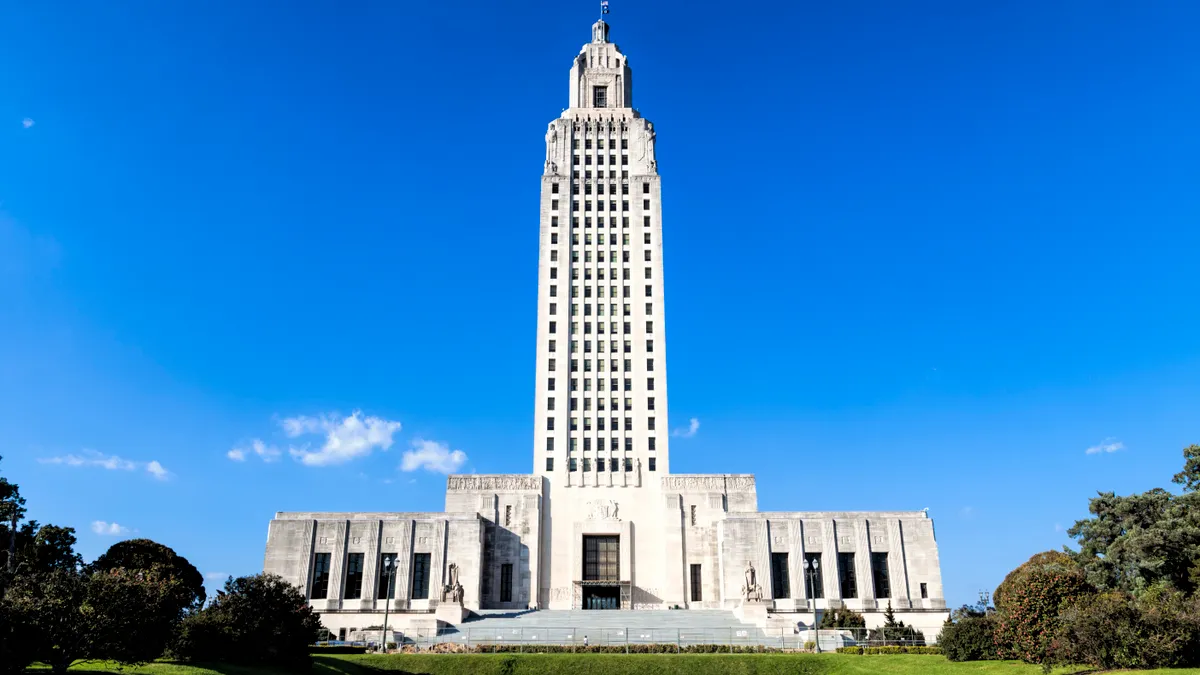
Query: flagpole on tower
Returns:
{"type": "Point", "coordinates": [603, 8]}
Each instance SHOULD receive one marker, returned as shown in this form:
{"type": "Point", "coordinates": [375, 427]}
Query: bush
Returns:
{"type": "Point", "coordinates": [841, 618]}
{"type": "Point", "coordinates": [890, 649]}
{"type": "Point", "coordinates": [655, 648]}
{"type": "Point", "coordinates": [970, 639]}
{"type": "Point", "coordinates": [258, 620]}
{"type": "Point", "coordinates": [1028, 604]}
{"type": "Point", "coordinates": [1115, 630]}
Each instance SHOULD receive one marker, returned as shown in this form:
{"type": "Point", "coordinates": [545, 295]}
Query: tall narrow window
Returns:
{"type": "Point", "coordinates": [879, 575]}
{"type": "Point", "coordinates": [507, 515]}
{"type": "Point", "coordinates": [320, 577]}
{"type": "Point", "coordinates": [386, 588]}
{"type": "Point", "coordinates": [354, 576]}
{"type": "Point", "coordinates": [696, 585]}
{"type": "Point", "coordinates": [692, 514]}
{"type": "Point", "coordinates": [846, 579]}
{"type": "Point", "coordinates": [814, 565]}
{"type": "Point", "coordinates": [420, 576]}
{"type": "Point", "coordinates": [600, 97]}
{"type": "Point", "coordinates": [779, 576]}
{"type": "Point", "coordinates": [924, 591]}
{"type": "Point", "coordinates": [506, 582]}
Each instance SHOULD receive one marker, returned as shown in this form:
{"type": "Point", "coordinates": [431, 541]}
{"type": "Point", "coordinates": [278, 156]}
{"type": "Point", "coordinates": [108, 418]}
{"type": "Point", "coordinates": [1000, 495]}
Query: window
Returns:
{"type": "Point", "coordinates": [625, 205]}
{"type": "Point", "coordinates": [554, 188]}
{"type": "Point", "coordinates": [612, 464]}
{"type": "Point", "coordinates": [779, 576]}
{"type": "Point", "coordinates": [651, 444]}
{"type": "Point", "coordinates": [550, 463]}
{"type": "Point", "coordinates": [696, 597]}
{"type": "Point", "coordinates": [507, 515]}
{"type": "Point", "coordinates": [651, 464]}
{"type": "Point", "coordinates": [553, 256]}
{"type": "Point", "coordinates": [646, 238]}
{"type": "Point", "coordinates": [649, 345]}
{"type": "Point", "coordinates": [628, 424]}
{"type": "Point", "coordinates": [549, 424]}
{"type": "Point", "coordinates": [553, 272]}
{"type": "Point", "coordinates": [506, 570]}
{"type": "Point", "coordinates": [649, 364]}
{"type": "Point", "coordinates": [599, 97]}
{"type": "Point", "coordinates": [924, 591]}
{"type": "Point", "coordinates": [354, 576]}
{"type": "Point", "coordinates": [645, 188]}
{"type": "Point", "coordinates": [320, 576]}
{"type": "Point", "coordinates": [600, 462]}
{"type": "Point", "coordinates": [550, 403]}
{"type": "Point", "coordinates": [809, 577]}
{"type": "Point", "coordinates": [550, 384]}
{"type": "Point", "coordinates": [645, 221]}
{"type": "Point", "coordinates": [629, 464]}
{"type": "Point", "coordinates": [386, 588]}
{"type": "Point", "coordinates": [625, 289]}
{"type": "Point", "coordinates": [649, 291]}
{"type": "Point", "coordinates": [646, 204]}
{"type": "Point", "coordinates": [553, 204]}
{"type": "Point", "coordinates": [650, 424]}
{"type": "Point", "coordinates": [649, 384]}
{"type": "Point", "coordinates": [648, 275]}
{"type": "Point", "coordinates": [587, 462]}
{"type": "Point", "coordinates": [571, 465]}
{"type": "Point", "coordinates": [647, 256]}
{"type": "Point", "coordinates": [549, 445]}
{"type": "Point", "coordinates": [553, 221]}
{"type": "Point", "coordinates": [420, 576]}
{"type": "Point", "coordinates": [879, 575]}
{"type": "Point", "coordinates": [601, 558]}
{"type": "Point", "coordinates": [650, 403]}
{"type": "Point", "coordinates": [624, 188]}
{"type": "Point", "coordinates": [846, 578]}
{"type": "Point", "coordinates": [628, 445]}
{"type": "Point", "coordinates": [552, 345]}
{"type": "Point", "coordinates": [553, 309]}
{"type": "Point", "coordinates": [553, 327]}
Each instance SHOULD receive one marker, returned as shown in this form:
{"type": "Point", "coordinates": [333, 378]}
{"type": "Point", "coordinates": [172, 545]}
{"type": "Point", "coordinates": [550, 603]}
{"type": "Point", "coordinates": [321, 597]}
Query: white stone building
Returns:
{"type": "Point", "coordinates": [602, 522]}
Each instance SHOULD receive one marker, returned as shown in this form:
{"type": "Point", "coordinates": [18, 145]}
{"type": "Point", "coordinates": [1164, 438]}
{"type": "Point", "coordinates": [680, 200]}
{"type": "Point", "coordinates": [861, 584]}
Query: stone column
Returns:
{"type": "Point", "coordinates": [796, 561]}
{"type": "Point", "coordinates": [674, 546]}
{"type": "Point", "coordinates": [897, 569]}
{"type": "Point", "coordinates": [862, 561]}
{"type": "Point", "coordinates": [370, 587]}
{"type": "Point", "coordinates": [829, 563]}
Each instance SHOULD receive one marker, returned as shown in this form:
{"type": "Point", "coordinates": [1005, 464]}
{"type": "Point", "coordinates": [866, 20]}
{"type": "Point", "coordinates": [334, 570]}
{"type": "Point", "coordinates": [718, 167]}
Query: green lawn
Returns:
{"type": "Point", "coordinates": [606, 664]}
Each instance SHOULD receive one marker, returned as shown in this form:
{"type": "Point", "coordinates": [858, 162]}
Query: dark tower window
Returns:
{"type": "Point", "coordinates": [601, 558]}
{"type": "Point", "coordinates": [846, 578]}
{"type": "Point", "coordinates": [386, 588]}
{"type": "Point", "coordinates": [809, 578]}
{"type": "Point", "coordinates": [879, 574]}
{"type": "Point", "coordinates": [696, 584]}
{"type": "Point", "coordinates": [320, 577]}
{"type": "Point", "coordinates": [506, 570]}
{"type": "Point", "coordinates": [420, 577]}
{"type": "Point", "coordinates": [599, 97]}
{"type": "Point", "coordinates": [779, 576]}
{"type": "Point", "coordinates": [354, 576]}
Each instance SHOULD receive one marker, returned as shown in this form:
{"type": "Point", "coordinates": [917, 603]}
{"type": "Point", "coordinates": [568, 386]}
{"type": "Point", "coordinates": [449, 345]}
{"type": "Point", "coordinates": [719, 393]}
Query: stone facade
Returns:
{"type": "Point", "coordinates": [601, 521]}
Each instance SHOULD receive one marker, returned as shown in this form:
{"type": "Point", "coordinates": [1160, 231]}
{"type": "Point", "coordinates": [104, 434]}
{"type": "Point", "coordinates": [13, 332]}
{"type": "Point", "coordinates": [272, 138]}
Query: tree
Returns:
{"type": "Point", "coordinates": [256, 620]}
{"type": "Point", "coordinates": [1145, 540]}
{"type": "Point", "coordinates": [1112, 630]}
{"type": "Point", "coordinates": [1189, 478]}
{"type": "Point", "coordinates": [1028, 603]}
{"type": "Point", "coordinates": [147, 555]}
{"type": "Point", "coordinates": [970, 637]}
{"type": "Point", "coordinates": [131, 614]}
{"type": "Point", "coordinates": [12, 510]}
{"type": "Point", "coordinates": [48, 611]}
{"type": "Point", "coordinates": [842, 618]}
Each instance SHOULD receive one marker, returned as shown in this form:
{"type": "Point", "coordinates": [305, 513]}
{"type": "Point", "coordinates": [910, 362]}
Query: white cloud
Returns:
{"type": "Point", "coordinates": [1106, 446]}
{"type": "Point", "coordinates": [267, 453]}
{"type": "Point", "coordinates": [27, 122]}
{"type": "Point", "coordinates": [110, 462]}
{"type": "Point", "coordinates": [108, 529]}
{"type": "Point", "coordinates": [692, 427]}
{"type": "Point", "coordinates": [216, 576]}
{"type": "Point", "coordinates": [432, 456]}
{"type": "Point", "coordinates": [345, 438]}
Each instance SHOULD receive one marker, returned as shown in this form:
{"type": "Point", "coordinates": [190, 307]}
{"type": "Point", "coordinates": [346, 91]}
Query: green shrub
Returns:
{"type": "Point", "coordinates": [890, 649]}
{"type": "Point", "coordinates": [1028, 604]}
{"type": "Point", "coordinates": [1115, 630]}
{"type": "Point", "coordinates": [842, 618]}
{"type": "Point", "coordinates": [657, 648]}
{"type": "Point", "coordinates": [971, 638]}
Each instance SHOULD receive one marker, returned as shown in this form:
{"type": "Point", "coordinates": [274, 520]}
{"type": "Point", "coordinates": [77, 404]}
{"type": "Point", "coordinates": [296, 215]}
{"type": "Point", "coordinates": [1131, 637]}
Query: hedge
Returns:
{"type": "Point", "coordinates": [617, 649]}
{"type": "Point", "coordinates": [890, 649]}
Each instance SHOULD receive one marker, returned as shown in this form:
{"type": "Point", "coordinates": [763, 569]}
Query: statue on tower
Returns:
{"type": "Point", "coordinates": [751, 592]}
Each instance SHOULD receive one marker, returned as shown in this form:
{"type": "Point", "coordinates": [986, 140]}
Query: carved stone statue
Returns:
{"type": "Point", "coordinates": [751, 592]}
{"type": "Point", "coordinates": [453, 591]}
{"type": "Point", "coordinates": [552, 148]}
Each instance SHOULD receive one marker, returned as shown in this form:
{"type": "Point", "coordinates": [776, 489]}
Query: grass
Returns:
{"type": "Point", "coordinates": [610, 664]}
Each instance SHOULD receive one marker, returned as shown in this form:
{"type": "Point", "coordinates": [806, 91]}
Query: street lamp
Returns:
{"type": "Point", "coordinates": [811, 571]}
{"type": "Point", "coordinates": [389, 570]}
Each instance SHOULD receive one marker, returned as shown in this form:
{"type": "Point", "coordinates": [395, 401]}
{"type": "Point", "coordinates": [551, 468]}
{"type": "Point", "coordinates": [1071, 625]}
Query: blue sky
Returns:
{"type": "Point", "coordinates": [919, 254]}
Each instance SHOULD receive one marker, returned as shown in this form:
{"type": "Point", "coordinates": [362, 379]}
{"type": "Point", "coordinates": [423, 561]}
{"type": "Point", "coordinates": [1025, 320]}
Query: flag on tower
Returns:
{"type": "Point", "coordinates": [604, 6]}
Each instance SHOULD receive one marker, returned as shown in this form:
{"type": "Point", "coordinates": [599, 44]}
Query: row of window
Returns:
{"type": "Point", "coordinates": [587, 142]}
{"type": "Point", "coordinates": [599, 206]}
{"type": "Point", "coordinates": [599, 310]}
{"type": "Point", "coordinates": [587, 220]}
{"type": "Point", "coordinates": [386, 583]}
{"type": "Point", "coordinates": [587, 404]}
{"type": "Point", "coordinates": [614, 444]}
{"type": "Point", "coordinates": [613, 384]}
{"type": "Point", "coordinates": [587, 238]}
{"type": "Point", "coordinates": [626, 366]}
{"type": "Point", "coordinates": [627, 346]}
{"type": "Point", "coordinates": [626, 329]}
{"type": "Point", "coordinates": [587, 424]}
{"type": "Point", "coordinates": [612, 290]}
{"type": "Point", "coordinates": [587, 160]}
{"type": "Point", "coordinates": [614, 465]}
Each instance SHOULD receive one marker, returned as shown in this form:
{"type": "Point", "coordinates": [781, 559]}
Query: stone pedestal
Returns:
{"type": "Point", "coordinates": [452, 613]}
{"type": "Point", "coordinates": [753, 612]}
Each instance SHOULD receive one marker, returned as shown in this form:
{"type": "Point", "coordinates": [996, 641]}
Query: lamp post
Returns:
{"type": "Point", "coordinates": [811, 570]}
{"type": "Point", "coordinates": [389, 570]}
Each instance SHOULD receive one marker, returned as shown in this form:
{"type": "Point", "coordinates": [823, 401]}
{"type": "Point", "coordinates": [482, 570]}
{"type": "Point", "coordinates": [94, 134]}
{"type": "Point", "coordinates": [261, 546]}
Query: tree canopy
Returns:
{"type": "Point", "coordinates": [144, 554]}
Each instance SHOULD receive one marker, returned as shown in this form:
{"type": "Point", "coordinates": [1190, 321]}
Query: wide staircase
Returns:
{"type": "Point", "coordinates": [612, 627]}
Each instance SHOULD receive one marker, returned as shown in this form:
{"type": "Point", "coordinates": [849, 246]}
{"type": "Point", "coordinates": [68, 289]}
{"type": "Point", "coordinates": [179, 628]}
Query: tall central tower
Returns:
{"type": "Point", "coordinates": [601, 407]}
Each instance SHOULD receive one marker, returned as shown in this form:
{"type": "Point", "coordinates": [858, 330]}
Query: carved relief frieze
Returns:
{"type": "Point", "coordinates": [497, 482]}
